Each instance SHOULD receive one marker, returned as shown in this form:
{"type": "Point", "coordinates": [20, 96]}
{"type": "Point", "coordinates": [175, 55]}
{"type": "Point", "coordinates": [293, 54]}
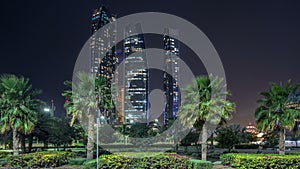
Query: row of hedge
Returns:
{"type": "Point", "coordinates": [258, 161]}
{"type": "Point", "coordinates": [4, 154]}
{"type": "Point", "coordinates": [161, 161]}
{"type": "Point", "coordinates": [40, 159]}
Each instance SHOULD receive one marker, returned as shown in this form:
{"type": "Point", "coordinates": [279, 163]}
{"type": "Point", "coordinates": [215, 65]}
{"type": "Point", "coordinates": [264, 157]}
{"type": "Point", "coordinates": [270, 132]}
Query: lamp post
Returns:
{"type": "Point", "coordinates": [98, 124]}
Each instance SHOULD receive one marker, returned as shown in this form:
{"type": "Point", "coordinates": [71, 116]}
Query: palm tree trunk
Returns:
{"type": "Point", "coordinates": [282, 141]}
{"type": "Point", "coordinates": [203, 143]}
{"type": "Point", "coordinates": [30, 143]}
{"type": "Point", "coordinates": [45, 144]}
{"type": "Point", "coordinates": [15, 143]}
{"type": "Point", "coordinates": [212, 141]}
{"type": "Point", "coordinates": [124, 131]}
{"type": "Point", "coordinates": [23, 146]}
{"type": "Point", "coordinates": [91, 137]}
{"type": "Point", "coordinates": [176, 143]}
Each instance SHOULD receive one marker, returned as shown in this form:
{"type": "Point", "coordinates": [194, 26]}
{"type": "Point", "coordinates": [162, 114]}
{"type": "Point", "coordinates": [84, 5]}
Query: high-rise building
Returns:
{"type": "Point", "coordinates": [103, 45]}
{"type": "Point", "coordinates": [136, 76]}
{"type": "Point", "coordinates": [171, 74]}
{"type": "Point", "coordinates": [103, 60]}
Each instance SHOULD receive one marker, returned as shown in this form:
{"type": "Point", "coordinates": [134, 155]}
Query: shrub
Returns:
{"type": "Point", "coordinates": [294, 153]}
{"type": "Point", "coordinates": [90, 164]}
{"type": "Point", "coordinates": [40, 159]}
{"type": "Point", "coordinates": [4, 154]}
{"type": "Point", "coordinates": [162, 161]}
{"type": "Point", "coordinates": [77, 161]}
{"type": "Point", "coordinates": [200, 164]}
{"type": "Point", "coordinates": [246, 146]}
{"type": "Point", "coordinates": [2, 162]}
{"type": "Point", "coordinates": [261, 161]}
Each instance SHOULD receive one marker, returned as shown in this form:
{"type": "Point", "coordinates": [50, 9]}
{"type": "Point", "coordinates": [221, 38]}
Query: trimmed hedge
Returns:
{"type": "Point", "coordinates": [162, 161]}
{"type": "Point", "coordinates": [294, 153]}
{"type": "Point", "coordinates": [77, 161]}
{"type": "Point", "coordinates": [200, 164]}
{"type": "Point", "coordinates": [261, 161]}
{"type": "Point", "coordinates": [246, 146]}
{"type": "Point", "coordinates": [2, 162]}
{"type": "Point", "coordinates": [4, 154]}
{"type": "Point", "coordinates": [40, 159]}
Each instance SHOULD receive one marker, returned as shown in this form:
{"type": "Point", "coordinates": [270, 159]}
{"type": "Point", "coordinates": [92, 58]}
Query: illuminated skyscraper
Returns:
{"type": "Point", "coordinates": [102, 46]}
{"type": "Point", "coordinates": [136, 75]}
{"type": "Point", "coordinates": [171, 74]}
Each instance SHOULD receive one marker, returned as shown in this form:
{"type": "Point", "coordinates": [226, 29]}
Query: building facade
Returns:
{"type": "Point", "coordinates": [103, 60]}
{"type": "Point", "coordinates": [136, 86]}
{"type": "Point", "coordinates": [171, 74]}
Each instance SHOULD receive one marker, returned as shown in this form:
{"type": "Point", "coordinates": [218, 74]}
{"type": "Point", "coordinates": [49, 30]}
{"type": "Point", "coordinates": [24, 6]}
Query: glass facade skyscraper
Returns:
{"type": "Point", "coordinates": [102, 46]}
{"type": "Point", "coordinates": [171, 74]}
{"type": "Point", "coordinates": [133, 102]}
{"type": "Point", "coordinates": [136, 76]}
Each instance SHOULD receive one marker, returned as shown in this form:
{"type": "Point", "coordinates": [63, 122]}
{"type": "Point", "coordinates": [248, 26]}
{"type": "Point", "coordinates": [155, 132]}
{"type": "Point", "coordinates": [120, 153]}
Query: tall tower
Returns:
{"type": "Point", "coordinates": [136, 75]}
{"type": "Point", "coordinates": [103, 46]}
{"type": "Point", "coordinates": [171, 74]}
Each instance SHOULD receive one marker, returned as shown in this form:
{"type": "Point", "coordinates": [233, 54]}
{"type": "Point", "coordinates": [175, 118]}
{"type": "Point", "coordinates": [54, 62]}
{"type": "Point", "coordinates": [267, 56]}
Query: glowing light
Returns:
{"type": "Point", "coordinates": [46, 110]}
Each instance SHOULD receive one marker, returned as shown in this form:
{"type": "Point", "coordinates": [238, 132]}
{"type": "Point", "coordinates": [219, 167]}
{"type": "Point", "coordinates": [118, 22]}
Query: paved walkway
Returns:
{"type": "Point", "coordinates": [220, 166]}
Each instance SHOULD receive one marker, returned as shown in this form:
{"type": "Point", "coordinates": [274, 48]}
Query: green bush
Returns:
{"type": "Point", "coordinates": [294, 153]}
{"type": "Point", "coordinates": [77, 161]}
{"type": "Point", "coordinates": [162, 161]}
{"type": "Point", "coordinates": [200, 164]}
{"type": "Point", "coordinates": [2, 162]}
{"type": "Point", "coordinates": [90, 164]}
{"type": "Point", "coordinates": [40, 159]}
{"type": "Point", "coordinates": [4, 154]}
{"type": "Point", "coordinates": [246, 146]}
{"type": "Point", "coordinates": [261, 161]}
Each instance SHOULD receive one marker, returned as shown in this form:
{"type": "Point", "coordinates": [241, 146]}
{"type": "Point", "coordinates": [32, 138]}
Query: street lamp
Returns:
{"type": "Point", "coordinates": [98, 124]}
{"type": "Point", "coordinates": [46, 109]}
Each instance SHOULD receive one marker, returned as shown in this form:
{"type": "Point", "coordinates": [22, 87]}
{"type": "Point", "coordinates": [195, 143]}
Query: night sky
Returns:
{"type": "Point", "coordinates": [258, 41]}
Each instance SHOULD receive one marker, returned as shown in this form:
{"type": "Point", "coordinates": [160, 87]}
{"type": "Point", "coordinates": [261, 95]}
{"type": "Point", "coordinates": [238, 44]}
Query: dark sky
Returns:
{"type": "Point", "coordinates": [258, 41]}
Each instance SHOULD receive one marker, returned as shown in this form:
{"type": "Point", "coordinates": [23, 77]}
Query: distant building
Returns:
{"type": "Point", "coordinates": [251, 129]}
{"type": "Point", "coordinates": [171, 74]}
{"type": "Point", "coordinates": [136, 75]}
{"type": "Point", "coordinates": [102, 46]}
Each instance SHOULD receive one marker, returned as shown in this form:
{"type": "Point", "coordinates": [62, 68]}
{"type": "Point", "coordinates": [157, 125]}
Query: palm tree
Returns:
{"type": "Point", "coordinates": [273, 112]}
{"type": "Point", "coordinates": [18, 107]}
{"type": "Point", "coordinates": [84, 99]}
{"type": "Point", "coordinates": [205, 104]}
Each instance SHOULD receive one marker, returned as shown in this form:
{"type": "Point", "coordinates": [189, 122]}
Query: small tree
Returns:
{"type": "Point", "coordinates": [60, 132]}
{"type": "Point", "coordinates": [18, 107]}
{"type": "Point", "coordinates": [204, 101]}
{"type": "Point", "coordinates": [192, 137]}
{"type": "Point", "coordinates": [84, 100]}
{"type": "Point", "coordinates": [274, 114]}
{"type": "Point", "coordinates": [228, 137]}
